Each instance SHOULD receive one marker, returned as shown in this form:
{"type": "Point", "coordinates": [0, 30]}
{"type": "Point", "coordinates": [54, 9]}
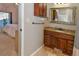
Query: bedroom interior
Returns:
{"type": "Point", "coordinates": [8, 29]}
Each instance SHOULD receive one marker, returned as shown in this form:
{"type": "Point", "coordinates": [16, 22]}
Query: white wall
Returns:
{"type": "Point", "coordinates": [76, 47]}
{"type": "Point", "coordinates": [33, 39]}
{"type": "Point", "coordinates": [48, 24]}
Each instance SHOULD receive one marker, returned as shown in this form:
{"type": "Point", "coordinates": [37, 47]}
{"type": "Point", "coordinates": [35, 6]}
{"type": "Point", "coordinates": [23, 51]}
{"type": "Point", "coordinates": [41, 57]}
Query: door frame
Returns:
{"type": "Point", "coordinates": [20, 29]}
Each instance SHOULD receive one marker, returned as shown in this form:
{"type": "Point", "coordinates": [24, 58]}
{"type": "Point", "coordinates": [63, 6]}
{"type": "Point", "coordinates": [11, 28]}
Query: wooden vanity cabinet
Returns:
{"type": "Point", "coordinates": [47, 40]}
{"type": "Point", "coordinates": [69, 47]}
{"type": "Point", "coordinates": [61, 41]}
{"type": "Point", "coordinates": [53, 41]}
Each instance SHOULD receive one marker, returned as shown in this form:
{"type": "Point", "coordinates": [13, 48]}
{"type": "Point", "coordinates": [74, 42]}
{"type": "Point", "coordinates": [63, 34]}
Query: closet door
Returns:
{"type": "Point", "coordinates": [36, 9]}
{"type": "Point", "coordinates": [44, 10]}
{"type": "Point", "coordinates": [40, 9]}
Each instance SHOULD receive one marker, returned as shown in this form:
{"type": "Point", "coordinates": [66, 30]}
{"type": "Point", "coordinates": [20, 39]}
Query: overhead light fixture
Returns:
{"type": "Point", "coordinates": [59, 3]}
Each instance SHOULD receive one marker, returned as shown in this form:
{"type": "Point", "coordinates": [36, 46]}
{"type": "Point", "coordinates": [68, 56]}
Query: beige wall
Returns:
{"type": "Point", "coordinates": [33, 34]}
{"type": "Point", "coordinates": [10, 7]}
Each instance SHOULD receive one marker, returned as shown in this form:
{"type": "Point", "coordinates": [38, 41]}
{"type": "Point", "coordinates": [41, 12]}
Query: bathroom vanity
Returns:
{"type": "Point", "coordinates": [59, 38]}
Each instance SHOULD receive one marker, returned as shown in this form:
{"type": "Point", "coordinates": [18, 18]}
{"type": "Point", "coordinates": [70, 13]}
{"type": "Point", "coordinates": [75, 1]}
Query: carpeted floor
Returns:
{"type": "Point", "coordinates": [7, 45]}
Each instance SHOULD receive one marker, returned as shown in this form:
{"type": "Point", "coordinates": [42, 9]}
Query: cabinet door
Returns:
{"type": "Point", "coordinates": [62, 45]}
{"type": "Point", "coordinates": [47, 40]}
{"type": "Point", "coordinates": [53, 42]}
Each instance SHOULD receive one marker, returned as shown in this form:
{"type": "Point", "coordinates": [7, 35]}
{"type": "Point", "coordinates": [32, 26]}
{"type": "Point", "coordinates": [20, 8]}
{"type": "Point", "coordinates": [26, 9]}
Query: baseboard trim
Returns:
{"type": "Point", "coordinates": [36, 51]}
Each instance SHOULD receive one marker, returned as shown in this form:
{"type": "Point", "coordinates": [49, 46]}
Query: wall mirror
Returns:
{"type": "Point", "coordinates": [63, 15]}
{"type": "Point", "coordinates": [5, 18]}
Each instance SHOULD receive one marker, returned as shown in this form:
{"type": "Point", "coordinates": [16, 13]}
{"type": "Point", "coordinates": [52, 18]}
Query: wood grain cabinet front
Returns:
{"type": "Point", "coordinates": [60, 41]}
{"type": "Point", "coordinates": [54, 41]}
{"type": "Point", "coordinates": [69, 48]}
{"type": "Point", "coordinates": [47, 39]}
{"type": "Point", "coordinates": [62, 45]}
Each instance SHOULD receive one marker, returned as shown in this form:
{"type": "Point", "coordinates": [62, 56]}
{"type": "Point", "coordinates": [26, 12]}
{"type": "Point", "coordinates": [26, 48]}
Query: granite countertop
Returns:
{"type": "Point", "coordinates": [65, 31]}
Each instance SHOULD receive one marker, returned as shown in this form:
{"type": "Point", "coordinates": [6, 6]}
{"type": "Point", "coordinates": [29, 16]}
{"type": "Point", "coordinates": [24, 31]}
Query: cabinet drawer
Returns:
{"type": "Point", "coordinates": [47, 32]}
{"type": "Point", "coordinates": [47, 43]}
{"type": "Point", "coordinates": [46, 37]}
{"type": "Point", "coordinates": [70, 42]}
{"type": "Point", "coordinates": [69, 52]}
{"type": "Point", "coordinates": [65, 36]}
{"type": "Point", "coordinates": [62, 35]}
{"type": "Point", "coordinates": [69, 46]}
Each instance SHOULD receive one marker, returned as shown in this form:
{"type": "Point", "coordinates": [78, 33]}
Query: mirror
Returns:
{"type": "Point", "coordinates": [62, 15]}
{"type": "Point", "coordinates": [5, 18]}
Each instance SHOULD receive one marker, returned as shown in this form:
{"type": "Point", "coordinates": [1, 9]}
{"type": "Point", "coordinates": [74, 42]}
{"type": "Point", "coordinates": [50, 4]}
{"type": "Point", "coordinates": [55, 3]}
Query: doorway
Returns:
{"type": "Point", "coordinates": [9, 33]}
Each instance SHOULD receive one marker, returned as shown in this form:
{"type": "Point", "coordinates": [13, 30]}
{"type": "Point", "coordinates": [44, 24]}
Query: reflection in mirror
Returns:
{"type": "Point", "coordinates": [5, 18]}
{"type": "Point", "coordinates": [62, 15]}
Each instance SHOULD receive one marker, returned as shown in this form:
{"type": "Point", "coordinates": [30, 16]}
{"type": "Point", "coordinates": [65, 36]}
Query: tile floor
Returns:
{"type": "Point", "coordinates": [45, 51]}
